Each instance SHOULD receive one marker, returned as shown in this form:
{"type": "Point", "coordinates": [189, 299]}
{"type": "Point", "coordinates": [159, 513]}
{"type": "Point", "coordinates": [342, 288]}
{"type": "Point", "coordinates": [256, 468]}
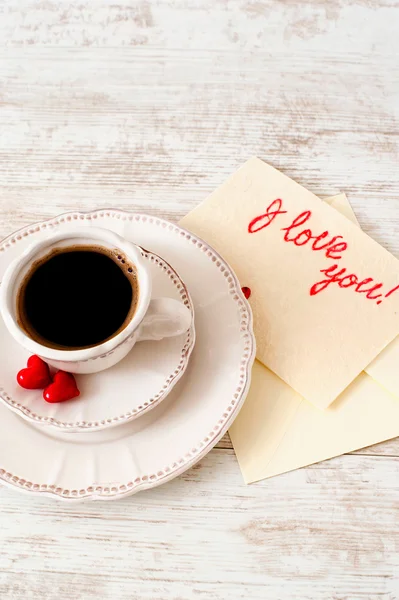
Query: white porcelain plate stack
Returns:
{"type": "Point", "coordinates": [155, 413]}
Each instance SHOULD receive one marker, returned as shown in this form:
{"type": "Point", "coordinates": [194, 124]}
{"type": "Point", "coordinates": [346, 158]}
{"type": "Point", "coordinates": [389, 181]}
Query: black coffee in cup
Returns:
{"type": "Point", "coordinates": [77, 297]}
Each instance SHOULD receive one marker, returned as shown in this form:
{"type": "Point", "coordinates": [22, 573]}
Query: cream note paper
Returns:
{"type": "Point", "coordinates": [325, 296]}
{"type": "Point", "coordinates": [385, 367]}
{"type": "Point", "coordinates": [277, 431]}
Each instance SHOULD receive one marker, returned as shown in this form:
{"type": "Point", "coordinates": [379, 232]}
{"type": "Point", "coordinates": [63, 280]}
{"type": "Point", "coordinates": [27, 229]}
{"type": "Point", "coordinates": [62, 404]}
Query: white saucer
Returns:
{"type": "Point", "coordinates": [118, 395]}
{"type": "Point", "coordinates": [174, 435]}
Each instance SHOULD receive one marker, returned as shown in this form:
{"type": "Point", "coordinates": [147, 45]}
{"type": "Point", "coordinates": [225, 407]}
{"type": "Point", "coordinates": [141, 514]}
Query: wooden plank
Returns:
{"type": "Point", "coordinates": [103, 126]}
{"type": "Point", "coordinates": [328, 531]}
{"type": "Point", "coordinates": [225, 443]}
{"type": "Point", "coordinates": [390, 448]}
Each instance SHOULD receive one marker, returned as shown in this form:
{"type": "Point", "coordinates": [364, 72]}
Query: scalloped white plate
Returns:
{"type": "Point", "coordinates": [117, 395]}
{"type": "Point", "coordinates": [166, 441]}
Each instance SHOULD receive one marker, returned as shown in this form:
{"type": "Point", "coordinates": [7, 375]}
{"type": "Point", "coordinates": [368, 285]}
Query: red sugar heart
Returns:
{"type": "Point", "coordinates": [36, 375]}
{"type": "Point", "coordinates": [246, 291]}
{"type": "Point", "coordinates": [63, 388]}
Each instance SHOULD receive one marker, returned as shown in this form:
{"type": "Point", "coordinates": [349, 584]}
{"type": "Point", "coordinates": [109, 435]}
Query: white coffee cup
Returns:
{"type": "Point", "coordinates": [153, 319]}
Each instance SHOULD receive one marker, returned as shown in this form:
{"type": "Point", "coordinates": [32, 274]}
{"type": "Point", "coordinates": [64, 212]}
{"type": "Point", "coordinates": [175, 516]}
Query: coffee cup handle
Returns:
{"type": "Point", "coordinates": [164, 318]}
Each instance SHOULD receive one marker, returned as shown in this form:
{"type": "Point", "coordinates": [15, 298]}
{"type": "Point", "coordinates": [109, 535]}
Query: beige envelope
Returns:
{"type": "Point", "coordinates": [278, 431]}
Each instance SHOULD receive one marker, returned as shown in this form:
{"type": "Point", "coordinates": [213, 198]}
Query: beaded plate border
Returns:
{"type": "Point", "coordinates": [93, 492]}
{"type": "Point", "coordinates": [170, 380]}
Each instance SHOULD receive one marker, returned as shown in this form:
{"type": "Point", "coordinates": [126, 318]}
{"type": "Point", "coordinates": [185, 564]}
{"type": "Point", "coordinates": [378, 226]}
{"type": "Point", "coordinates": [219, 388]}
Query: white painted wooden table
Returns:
{"type": "Point", "coordinates": [149, 105]}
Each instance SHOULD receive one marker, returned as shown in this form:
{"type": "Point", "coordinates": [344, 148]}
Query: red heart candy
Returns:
{"type": "Point", "coordinates": [63, 388]}
{"type": "Point", "coordinates": [246, 291]}
{"type": "Point", "coordinates": [36, 375]}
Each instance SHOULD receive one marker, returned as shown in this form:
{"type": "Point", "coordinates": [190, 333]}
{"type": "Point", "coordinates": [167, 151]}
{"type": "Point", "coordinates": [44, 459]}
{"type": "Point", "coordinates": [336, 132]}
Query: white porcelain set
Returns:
{"type": "Point", "coordinates": [154, 319]}
{"type": "Point", "coordinates": [186, 380]}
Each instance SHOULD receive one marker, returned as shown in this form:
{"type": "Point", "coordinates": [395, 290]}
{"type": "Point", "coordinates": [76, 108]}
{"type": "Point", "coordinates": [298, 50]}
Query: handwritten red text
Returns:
{"type": "Point", "coordinates": [332, 246]}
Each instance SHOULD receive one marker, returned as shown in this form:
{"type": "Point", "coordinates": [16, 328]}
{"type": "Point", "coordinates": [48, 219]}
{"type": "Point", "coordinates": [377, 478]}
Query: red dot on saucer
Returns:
{"type": "Point", "coordinates": [246, 291]}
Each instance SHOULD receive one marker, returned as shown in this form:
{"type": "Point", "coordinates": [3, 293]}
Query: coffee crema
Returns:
{"type": "Point", "coordinates": [77, 297]}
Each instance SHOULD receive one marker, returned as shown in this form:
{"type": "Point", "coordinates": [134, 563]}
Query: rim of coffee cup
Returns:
{"type": "Point", "coordinates": [20, 266]}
